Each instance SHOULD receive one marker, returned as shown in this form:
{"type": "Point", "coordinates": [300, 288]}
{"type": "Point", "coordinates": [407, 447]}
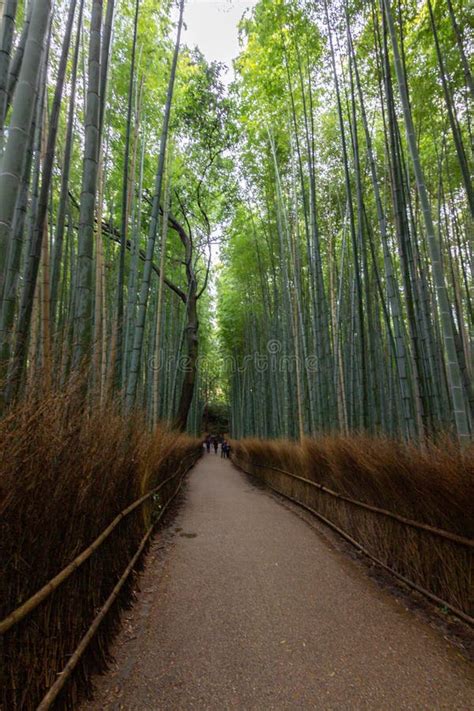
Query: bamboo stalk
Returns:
{"type": "Point", "coordinates": [155, 405]}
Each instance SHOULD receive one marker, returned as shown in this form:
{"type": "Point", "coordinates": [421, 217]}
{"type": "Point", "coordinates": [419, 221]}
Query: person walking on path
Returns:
{"type": "Point", "coordinates": [208, 443]}
{"type": "Point", "coordinates": [216, 445]}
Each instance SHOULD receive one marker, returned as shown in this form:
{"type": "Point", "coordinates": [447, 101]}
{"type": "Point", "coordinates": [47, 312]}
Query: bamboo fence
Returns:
{"type": "Point", "coordinates": [49, 588]}
{"type": "Point", "coordinates": [431, 530]}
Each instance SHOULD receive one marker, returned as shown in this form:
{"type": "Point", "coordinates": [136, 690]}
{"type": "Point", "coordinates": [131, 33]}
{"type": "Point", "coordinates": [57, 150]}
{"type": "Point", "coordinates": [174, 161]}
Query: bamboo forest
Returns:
{"type": "Point", "coordinates": [334, 174]}
{"type": "Point", "coordinates": [278, 252]}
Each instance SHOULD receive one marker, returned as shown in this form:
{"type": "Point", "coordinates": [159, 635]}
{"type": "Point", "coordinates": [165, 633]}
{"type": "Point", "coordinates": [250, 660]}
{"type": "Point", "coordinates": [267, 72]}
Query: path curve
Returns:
{"type": "Point", "coordinates": [250, 608]}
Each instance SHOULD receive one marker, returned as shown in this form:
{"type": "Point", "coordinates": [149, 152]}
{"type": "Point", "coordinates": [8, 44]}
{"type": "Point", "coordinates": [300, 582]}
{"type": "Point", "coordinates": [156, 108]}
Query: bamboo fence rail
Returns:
{"type": "Point", "coordinates": [63, 676]}
{"type": "Point", "coordinates": [29, 605]}
{"type": "Point", "coordinates": [457, 539]}
{"type": "Point", "coordinates": [468, 542]}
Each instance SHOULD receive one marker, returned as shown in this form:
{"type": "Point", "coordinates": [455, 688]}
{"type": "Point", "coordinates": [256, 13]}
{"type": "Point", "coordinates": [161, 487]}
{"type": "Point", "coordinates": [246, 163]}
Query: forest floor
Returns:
{"type": "Point", "coordinates": [245, 606]}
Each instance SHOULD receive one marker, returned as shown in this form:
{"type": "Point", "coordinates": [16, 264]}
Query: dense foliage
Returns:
{"type": "Point", "coordinates": [336, 173]}
{"type": "Point", "coordinates": [125, 133]}
{"type": "Point", "coordinates": [345, 295]}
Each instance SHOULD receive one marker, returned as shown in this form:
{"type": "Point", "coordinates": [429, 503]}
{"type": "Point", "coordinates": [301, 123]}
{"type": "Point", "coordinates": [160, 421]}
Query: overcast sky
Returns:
{"type": "Point", "coordinates": [212, 25]}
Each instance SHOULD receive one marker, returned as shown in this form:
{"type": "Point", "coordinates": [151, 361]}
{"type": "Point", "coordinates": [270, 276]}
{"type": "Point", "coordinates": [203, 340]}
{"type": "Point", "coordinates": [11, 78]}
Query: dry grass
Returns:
{"type": "Point", "coordinates": [433, 486]}
{"type": "Point", "coordinates": [65, 473]}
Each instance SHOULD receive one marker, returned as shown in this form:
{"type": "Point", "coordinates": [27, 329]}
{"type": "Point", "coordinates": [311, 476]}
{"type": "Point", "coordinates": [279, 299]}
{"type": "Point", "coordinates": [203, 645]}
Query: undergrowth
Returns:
{"type": "Point", "coordinates": [66, 471]}
{"type": "Point", "coordinates": [433, 485]}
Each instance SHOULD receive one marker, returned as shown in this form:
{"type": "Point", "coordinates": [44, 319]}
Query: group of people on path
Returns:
{"type": "Point", "coordinates": [214, 441]}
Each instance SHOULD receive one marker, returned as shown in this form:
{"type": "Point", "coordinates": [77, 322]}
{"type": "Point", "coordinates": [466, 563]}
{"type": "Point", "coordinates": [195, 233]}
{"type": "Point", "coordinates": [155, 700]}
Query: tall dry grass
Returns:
{"type": "Point", "coordinates": [434, 485]}
{"type": "Point", "coordinates": [65, 473]}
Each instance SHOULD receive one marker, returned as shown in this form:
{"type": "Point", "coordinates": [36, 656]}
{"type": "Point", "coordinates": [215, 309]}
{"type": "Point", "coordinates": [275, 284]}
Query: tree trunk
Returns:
{"type": "Point", "coordinates": [7, 28]}
{"type": "Point", "coordinates": [85, 272]}
{"type": "Point", "coordinates": [145, 286]}
{"type": "Point", "coordinates": [13, 160]}
{"type": "Point", "coordinates": [40, 223]}
{"type": "Point", "coordinates": [119, 363]}
{"type": "Point", "coordinates": [452, 364]}
{"type": "Point", "coordinates": [189, 380]}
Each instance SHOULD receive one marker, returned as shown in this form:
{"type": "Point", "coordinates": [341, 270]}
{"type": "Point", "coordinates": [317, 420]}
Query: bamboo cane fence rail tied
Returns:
{"type": "Point", "coordinates": [29, 605]}
{"type": "Point", "coordinates": [461, 540]}
{"type": "Point", "coordinates": [63, 676]}
{"type": "Point", "coordinates": [434, 598]}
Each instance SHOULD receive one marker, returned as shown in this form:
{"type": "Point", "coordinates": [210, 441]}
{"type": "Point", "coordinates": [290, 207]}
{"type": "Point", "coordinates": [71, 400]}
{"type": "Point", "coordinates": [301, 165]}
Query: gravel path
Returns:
{"type": "Point", "coordinates": [245, 606]}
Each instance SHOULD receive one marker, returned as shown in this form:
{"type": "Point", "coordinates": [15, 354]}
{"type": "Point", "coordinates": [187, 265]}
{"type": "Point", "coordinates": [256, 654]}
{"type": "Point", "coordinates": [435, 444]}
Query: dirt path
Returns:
{"type": "Point", "coordinates": [247, 608]}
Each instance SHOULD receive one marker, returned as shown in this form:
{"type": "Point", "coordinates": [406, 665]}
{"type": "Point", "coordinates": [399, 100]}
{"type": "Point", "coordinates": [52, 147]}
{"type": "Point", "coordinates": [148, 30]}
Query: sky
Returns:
{"type": "Point", "coordinates": [212, 26]}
